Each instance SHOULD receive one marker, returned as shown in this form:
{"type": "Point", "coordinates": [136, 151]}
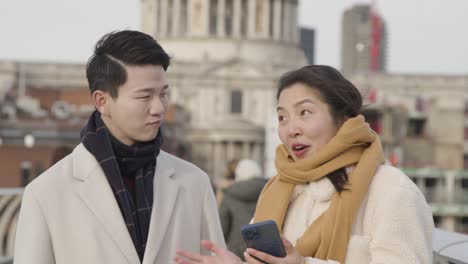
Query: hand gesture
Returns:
{"type": "Point", "coordinates": [220, 256]}
{"type": "Point", "coordinates": [292, 257]}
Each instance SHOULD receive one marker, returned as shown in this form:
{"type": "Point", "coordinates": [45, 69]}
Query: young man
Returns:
{"type": "Point", "coordinates": [117, 198]}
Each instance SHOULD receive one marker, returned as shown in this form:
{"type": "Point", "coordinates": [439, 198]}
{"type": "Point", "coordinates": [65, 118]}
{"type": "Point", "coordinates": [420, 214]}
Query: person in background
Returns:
{"type": "Point", "coordinates": [118, 198]}
{"type": "Point", "coordinates": [227, 180]}
{"type": "Point", "coordinates": [238, 204]}
{"type": "Point", "coordinates": [333, 199]}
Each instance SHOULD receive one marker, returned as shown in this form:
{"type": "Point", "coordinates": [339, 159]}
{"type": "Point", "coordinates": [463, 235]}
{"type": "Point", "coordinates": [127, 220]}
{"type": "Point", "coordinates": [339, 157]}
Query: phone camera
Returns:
{"type": "Point", "coordinates": [251, 234]}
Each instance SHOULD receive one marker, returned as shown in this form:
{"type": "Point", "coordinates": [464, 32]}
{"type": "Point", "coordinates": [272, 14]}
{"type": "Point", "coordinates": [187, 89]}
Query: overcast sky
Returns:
{"type": "Point", "coordinates": [425, 36]}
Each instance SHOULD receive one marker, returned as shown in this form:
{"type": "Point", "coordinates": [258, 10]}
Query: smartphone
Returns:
{"type": "Point", "coordinates": [264, 236]}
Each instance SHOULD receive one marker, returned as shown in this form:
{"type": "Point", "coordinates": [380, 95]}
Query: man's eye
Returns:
{"type": "Point", "coordinates": [143, 97]}
{"type": "Point", "coordinates": [305, 112]}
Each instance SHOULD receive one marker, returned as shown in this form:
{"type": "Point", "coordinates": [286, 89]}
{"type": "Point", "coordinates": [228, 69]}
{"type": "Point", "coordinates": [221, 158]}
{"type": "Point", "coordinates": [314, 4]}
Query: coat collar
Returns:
{"type": "Point", "coordinates": [95, 191]}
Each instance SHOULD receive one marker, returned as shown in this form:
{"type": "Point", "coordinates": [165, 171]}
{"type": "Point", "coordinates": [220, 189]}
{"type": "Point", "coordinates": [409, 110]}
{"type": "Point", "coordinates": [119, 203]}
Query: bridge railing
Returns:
{"type": "Point", "coordinates": [448, 247]}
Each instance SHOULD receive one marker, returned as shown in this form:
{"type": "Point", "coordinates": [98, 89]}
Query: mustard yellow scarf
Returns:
{"type": "Point", "coordinates": [327, 237]}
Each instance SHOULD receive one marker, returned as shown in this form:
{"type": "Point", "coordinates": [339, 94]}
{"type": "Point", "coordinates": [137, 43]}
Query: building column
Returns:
{"type": "Point", "coordinates": [256, 152]}
{"type": "Point", "coordinates": [266, 19]}
{"type": "Point", "coordinates": [448, 223]}
{"type": "Point", "coordinates": [236, 19]}
{"type": "Point", "coordinates": [294, 23]}
{"type": "Point", "coordinates": [149, 11]}
{"type": "Point", "coordinates": [220, 27]}
{"type": "Point", "coordinates": [246, 153]}
{"type": "Point", "coordinates": [198, 17]}
{"type": "Point", "coordinates": [277, 19]}
{"type": "Point", "coordinates": [251, 6]}
{"type": "Point", "coordinates": [230, 151]}
{"type": "Point", "coordinates": [164, 17]}
{"type": "Point", "coordinates": [176, 13]}
{"type": "Point", "coordinates": [286, 21]}
{"type": "Point", "coordinates": [217, 160]}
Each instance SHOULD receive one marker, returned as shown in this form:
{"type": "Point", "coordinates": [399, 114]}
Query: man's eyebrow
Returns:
{"type": "Point", "coordinates": [142, 90]}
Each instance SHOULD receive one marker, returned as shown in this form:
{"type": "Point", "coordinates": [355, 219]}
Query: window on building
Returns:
{"type": "Point", "coordinates": [465, 161]}
{"type": "Point", "coordinates": [463, 225]}
{"type": "Point", "coordinates": [436, 220]}
{"type": "Point", "coordinates": [244, 17]}
{"type": "Point", "coordinates": [430, 182]}
{"type": "Point", "coordinates": [464, 184]}
{"type": "Point", "coordinates": [236, 102]}
{"type": "Point", "coordinates": [416, 126]}
{"type": "Point", "coordinates": [228, 16]}
{"type": "Point", "coordinates": [213, 16]}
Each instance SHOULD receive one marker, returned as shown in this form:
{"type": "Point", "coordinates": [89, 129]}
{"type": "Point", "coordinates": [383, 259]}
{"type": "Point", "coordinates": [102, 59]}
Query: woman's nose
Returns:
{"type": "Point", "coordinates": [294, 129]}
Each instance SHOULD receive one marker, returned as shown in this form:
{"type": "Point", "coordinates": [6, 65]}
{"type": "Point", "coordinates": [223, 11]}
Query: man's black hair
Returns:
{"type": "Point", "coordinates": [105, 70]}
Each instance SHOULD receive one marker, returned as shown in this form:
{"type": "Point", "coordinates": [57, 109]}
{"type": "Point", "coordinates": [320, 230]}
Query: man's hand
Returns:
{"type": "Point", "coordinates": [221, 256]}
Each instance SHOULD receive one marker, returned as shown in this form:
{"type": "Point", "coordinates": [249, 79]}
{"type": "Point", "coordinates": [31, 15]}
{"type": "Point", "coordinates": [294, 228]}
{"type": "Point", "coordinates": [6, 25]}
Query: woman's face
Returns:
{"type": "Point", "coordinates": [305, 122]}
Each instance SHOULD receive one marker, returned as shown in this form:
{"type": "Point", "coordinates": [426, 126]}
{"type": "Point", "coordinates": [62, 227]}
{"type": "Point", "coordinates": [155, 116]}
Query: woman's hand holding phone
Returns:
{"type": "Point", "coordinates": [292, 257]}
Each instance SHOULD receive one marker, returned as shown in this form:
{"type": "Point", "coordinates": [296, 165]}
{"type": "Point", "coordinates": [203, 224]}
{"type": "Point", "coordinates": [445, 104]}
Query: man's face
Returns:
{"type": "Point", "coordinates": [138, 111]}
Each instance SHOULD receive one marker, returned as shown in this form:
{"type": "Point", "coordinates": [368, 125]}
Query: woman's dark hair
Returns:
{"type": "Point", "coordinates": [105, 69]}
{"type": "Point", "coordinates": [343, 99]}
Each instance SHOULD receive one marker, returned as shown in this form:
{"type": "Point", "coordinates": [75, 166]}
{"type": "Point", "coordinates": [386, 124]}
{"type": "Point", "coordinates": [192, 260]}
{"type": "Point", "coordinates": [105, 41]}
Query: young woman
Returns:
{"type": "Point", "coordinates": [334, 200]}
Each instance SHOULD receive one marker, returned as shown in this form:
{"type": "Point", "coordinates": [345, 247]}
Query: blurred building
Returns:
{"type": "Point", "coordinates": [227, 56]}
{"type": "Point", "coordinates": [363, 41]}
{"type": "Point", "coordinates": [423, 124]}
{"type": "Point", "coordinates": [43, 107]}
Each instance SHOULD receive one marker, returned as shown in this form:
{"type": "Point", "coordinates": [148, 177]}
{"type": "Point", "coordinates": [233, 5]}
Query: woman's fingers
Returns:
{"type": "Point", "coordinates": [250, 259]}
{"type": "Point", "coordinates": [287, 245]}
{"type": "Point", "coordinates": [262, 256]}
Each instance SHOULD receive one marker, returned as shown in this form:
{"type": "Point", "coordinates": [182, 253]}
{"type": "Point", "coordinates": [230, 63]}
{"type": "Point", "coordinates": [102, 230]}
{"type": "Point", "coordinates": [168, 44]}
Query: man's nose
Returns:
{"type": "Point", "coordinates": [158, 106]}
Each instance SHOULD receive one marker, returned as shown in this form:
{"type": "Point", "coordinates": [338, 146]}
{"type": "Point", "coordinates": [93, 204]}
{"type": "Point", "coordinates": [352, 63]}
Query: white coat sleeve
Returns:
{"type": "Point", "coordinates": [211, 226]}
{"type": "Point", "coordinates": [402, 229]}
{"type": "Point", "coordinates": [33, 242]}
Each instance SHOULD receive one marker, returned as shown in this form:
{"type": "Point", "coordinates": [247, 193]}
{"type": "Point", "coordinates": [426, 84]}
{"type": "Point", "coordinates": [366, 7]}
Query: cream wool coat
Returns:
{"type": "Point", "coordinates": [69, 215]}
{"type": "Point", "coordinates": [394, 223]}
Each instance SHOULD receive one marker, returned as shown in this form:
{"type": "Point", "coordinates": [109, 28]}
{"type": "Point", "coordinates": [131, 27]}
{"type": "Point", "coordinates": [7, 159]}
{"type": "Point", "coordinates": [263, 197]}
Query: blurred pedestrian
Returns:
{"type": "Point", "coordinates": [227, 180]}
{"type": "Point", "coordinates": [238, 203]}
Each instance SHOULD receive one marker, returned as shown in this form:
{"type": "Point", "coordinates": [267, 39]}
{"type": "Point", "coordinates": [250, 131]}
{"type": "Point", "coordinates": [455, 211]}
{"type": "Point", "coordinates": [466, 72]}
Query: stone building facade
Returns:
{"type": "Point", "coordinates": [227, 56]}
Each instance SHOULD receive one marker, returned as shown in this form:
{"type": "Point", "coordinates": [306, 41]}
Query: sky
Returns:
{"type": "Point", "coordinates": [425, 36]}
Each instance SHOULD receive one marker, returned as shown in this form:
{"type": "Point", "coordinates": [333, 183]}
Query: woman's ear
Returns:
{"type": "Point", "coordinates": [101, 101]}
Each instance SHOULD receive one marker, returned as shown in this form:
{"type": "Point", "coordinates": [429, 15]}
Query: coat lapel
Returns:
{"type": "Point", "coordinates": [97, 194]}
{"type": "Point", "coordinates": [166, 188]}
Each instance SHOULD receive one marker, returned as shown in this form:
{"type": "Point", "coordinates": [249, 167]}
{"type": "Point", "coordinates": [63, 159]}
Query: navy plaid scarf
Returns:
{"type": "Point", "coordinates": [117, 160]}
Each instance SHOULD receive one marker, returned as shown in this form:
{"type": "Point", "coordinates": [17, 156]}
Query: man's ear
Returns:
{"type": "Point", "coordinates": [101, 101]}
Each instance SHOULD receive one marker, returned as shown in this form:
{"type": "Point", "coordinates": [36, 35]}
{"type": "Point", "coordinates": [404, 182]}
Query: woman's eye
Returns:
{"type": "Point", "coordinates": [280, 118]}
